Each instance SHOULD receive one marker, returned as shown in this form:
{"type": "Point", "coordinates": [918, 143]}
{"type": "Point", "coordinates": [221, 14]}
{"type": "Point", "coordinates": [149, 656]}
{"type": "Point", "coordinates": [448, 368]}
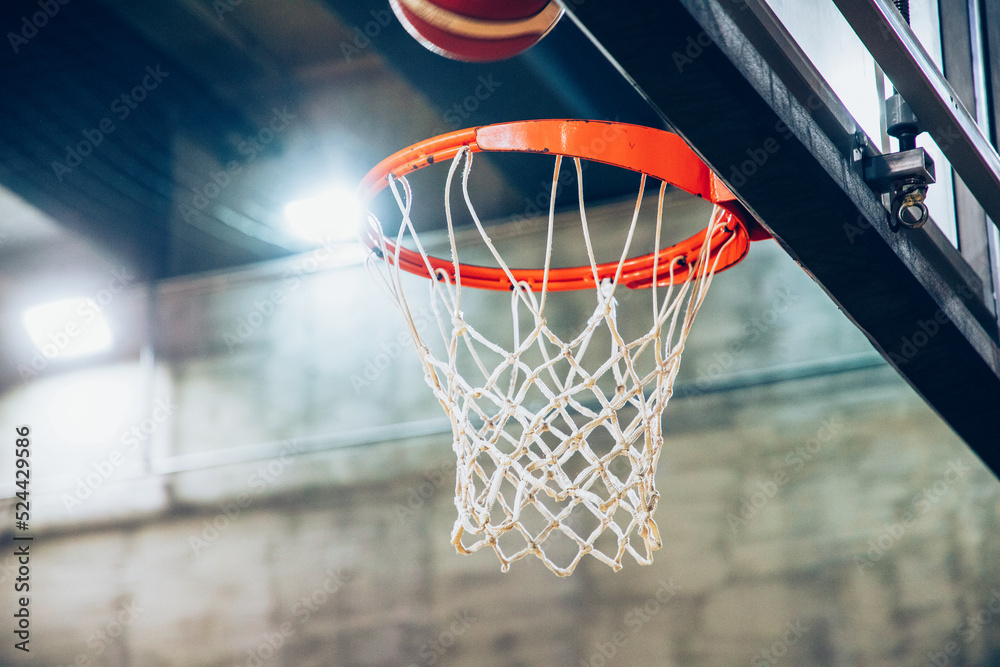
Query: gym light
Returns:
{"type": "Point", "coordinates": [68, 328]}
{"type": "Point", "coordinates": [330, 216]}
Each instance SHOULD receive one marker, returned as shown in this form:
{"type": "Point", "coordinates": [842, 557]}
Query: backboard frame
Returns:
{"type": "Point", "coordinates": [728, 90]}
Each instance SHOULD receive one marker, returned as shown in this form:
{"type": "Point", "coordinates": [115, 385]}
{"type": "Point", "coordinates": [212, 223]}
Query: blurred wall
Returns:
{"type": "Point", "coordinates": [278, 490]}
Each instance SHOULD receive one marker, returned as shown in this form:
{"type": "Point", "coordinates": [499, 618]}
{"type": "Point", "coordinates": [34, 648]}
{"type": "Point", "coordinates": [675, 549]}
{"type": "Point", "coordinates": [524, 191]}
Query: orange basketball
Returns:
{"type": "Point", "coordinates": [477, 30]}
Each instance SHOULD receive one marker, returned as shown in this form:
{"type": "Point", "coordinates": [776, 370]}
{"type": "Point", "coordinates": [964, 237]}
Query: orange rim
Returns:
{"type": "Point", "coordinates": [656, 153]}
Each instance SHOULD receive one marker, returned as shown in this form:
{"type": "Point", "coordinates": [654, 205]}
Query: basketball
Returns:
{"type": "Point", "coordinates": [477, 30]}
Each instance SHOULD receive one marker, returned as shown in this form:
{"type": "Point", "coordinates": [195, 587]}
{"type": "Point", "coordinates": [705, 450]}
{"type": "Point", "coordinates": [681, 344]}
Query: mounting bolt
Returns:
{"type": "Point", "coordinates": [901, 122]}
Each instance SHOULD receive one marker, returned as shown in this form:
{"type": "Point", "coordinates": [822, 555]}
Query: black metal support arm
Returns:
{"type": "Point", "coordinates": [694, 63]}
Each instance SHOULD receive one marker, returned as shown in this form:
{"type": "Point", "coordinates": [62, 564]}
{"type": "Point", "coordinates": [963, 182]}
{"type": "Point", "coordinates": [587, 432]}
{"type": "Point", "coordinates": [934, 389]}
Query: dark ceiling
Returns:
{"type": "Point", "coordinates": [170, 134]}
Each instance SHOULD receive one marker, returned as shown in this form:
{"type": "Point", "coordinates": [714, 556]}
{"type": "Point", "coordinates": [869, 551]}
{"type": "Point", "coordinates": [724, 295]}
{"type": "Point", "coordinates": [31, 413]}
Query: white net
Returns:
{"type": "Point", "coordinates": [557, 436]}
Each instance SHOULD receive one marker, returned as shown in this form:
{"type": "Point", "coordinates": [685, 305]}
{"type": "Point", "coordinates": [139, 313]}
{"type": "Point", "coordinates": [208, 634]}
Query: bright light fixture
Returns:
{"type": "Point", "coordinates": [68, 328]}
{"type": "Point", "coordinates": [330, 216]}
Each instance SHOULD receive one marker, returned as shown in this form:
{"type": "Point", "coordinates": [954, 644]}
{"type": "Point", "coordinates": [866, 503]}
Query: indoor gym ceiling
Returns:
{"type": "Point", "coordinates": [245, 106]}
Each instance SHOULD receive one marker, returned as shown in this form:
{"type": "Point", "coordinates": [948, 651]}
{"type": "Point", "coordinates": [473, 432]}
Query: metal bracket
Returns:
{"type": "Point", "coordinates": [881, 172]}
{"type": "Point", "coordinates": [918, 79]}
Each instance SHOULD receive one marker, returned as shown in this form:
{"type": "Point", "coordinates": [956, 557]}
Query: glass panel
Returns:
{"type": "Point", "coordinates": [926, 25]}
{"type": "Point", "coordinates": [850, 70]}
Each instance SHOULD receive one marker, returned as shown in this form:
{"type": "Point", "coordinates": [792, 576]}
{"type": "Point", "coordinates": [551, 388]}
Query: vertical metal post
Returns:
{"type": "Point", "coordinates": [147, 369]}
{"type": "Point", "coordinates": [986, 61]}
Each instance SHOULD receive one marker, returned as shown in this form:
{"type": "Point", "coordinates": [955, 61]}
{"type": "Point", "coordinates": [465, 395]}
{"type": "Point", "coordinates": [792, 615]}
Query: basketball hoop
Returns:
{"type": "Point", "coordinates": [553, 446]}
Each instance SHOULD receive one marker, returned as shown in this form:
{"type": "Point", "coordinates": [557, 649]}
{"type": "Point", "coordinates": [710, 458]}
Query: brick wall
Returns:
{"type": "Point", "coordinates": [818, 514]}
